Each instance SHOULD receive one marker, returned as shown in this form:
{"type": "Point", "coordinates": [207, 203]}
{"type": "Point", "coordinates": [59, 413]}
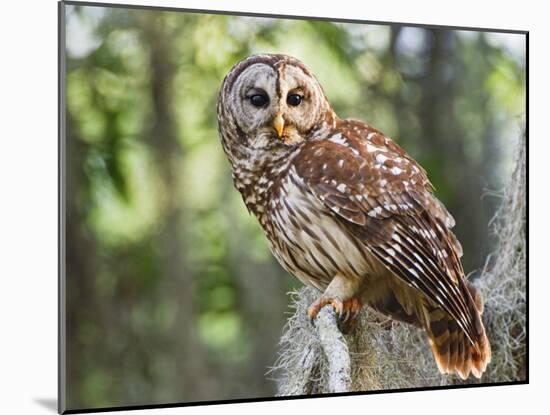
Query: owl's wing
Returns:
{"type": "Point", "coordinates": [385, 200]}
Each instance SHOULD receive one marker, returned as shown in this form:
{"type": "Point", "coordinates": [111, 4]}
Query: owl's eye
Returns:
{"type": "Point", "coordinates": [259, 100]}
{"type": "Point", "coordinates": [294, 99]}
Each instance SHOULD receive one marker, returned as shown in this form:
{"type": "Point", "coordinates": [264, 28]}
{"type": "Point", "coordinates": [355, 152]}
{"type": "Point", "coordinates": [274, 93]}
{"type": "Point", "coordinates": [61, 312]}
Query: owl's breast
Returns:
{"type": "Point", "coordinates": [306, 238]}
{"type": "Point", "coordinates": [257, 174]}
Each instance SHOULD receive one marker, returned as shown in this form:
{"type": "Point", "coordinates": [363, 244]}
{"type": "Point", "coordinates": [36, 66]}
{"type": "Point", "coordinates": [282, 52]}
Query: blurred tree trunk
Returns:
{"type": "Point", "coordinates": [442, 133]}
{"type": "Point", "coordinates": [81, 303]}
{"type": "Point", "coordinates": [184, 347]}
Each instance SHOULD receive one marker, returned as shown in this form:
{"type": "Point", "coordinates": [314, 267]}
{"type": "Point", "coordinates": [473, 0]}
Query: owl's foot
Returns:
{"type": "Point", "coordinates": [346, 310]}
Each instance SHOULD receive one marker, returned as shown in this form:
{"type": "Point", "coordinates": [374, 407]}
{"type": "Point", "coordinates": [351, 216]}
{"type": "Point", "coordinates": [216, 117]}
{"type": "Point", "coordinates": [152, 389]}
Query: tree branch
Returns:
{"type": "Point", "coordinates": [335, 348]}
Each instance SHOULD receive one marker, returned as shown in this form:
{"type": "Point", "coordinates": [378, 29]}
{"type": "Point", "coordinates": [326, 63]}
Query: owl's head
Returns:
{"type": "Point", "coordinates": [271, 100]}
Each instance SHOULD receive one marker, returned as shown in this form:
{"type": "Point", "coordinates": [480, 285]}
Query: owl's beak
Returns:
{"type": "Point", "coordinates": [279, 124]}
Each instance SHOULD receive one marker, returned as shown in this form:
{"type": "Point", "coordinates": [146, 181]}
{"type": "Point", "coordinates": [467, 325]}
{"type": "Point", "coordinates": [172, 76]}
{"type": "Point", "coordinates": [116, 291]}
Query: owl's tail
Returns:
{"type": "Point", "coordinates": [453, 351]}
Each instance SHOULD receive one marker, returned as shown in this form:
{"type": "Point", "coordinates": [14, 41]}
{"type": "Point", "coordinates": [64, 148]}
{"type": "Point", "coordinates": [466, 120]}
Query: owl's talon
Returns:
{"type": "Point", "coordinates": [346, 311]}
{"type": "Point", "coordinates": [314, 308]}
{"type": "Point", "coordinates": [344, 317]}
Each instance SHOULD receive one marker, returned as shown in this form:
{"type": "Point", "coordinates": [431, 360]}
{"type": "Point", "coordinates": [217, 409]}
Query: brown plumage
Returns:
{"type": "Point", "coordinates": [346, 210]}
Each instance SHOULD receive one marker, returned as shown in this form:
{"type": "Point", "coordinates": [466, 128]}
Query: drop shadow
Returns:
{"type": "Point", "coordinates": [48, 403]}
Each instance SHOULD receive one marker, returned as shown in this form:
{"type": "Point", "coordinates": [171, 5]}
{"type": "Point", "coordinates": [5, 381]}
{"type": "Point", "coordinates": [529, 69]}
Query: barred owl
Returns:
{"type": "Point", "coordinates": [346, 210]}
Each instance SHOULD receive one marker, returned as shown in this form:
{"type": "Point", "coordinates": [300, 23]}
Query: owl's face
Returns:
{"type": "Point", "coordinates": [274, 100]}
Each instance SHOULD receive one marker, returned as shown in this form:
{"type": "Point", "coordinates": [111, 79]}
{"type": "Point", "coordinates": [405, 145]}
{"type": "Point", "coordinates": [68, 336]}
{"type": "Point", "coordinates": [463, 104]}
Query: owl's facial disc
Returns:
{"type": "Point", "coordinates": [276, 104]}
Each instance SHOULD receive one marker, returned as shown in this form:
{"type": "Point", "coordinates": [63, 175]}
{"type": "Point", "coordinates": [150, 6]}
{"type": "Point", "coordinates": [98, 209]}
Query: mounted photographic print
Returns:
{"type": "Point", "coordinates": [257, 207]}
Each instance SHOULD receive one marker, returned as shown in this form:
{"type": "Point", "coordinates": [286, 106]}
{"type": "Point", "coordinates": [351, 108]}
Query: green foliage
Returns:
{"type": "Point", "coordinates": [173, 294]}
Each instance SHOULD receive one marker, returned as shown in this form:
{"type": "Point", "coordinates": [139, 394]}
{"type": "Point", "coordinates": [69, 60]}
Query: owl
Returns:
{"type": "Point", "coordinates": [346, 210]}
